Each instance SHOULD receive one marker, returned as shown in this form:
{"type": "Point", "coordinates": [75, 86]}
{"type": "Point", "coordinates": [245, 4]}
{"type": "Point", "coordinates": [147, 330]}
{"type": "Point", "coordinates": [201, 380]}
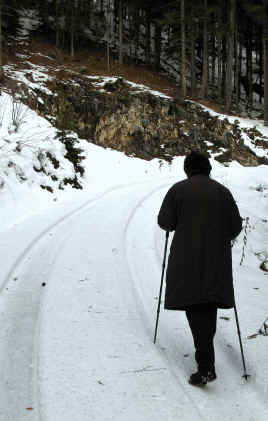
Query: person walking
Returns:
{"type": "Point", "coordinates": [205, 218]}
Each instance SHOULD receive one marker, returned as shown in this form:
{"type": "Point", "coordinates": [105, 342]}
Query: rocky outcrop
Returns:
{"type": "Point", "coordinates": [117, 115]}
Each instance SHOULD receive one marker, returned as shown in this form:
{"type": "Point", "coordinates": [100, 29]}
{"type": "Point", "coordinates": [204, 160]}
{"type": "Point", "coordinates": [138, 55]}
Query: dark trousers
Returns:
{"type": "Point", "coordinates": [202, 319]}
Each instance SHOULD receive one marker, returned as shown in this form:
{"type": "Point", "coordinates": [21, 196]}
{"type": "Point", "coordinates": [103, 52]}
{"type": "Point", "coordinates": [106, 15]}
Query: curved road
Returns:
{"type": "Point", "coordinates": [80, 347]}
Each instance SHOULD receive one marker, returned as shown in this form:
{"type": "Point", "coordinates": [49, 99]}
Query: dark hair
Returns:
{"type": "Point", "coordinates": [196, 163]}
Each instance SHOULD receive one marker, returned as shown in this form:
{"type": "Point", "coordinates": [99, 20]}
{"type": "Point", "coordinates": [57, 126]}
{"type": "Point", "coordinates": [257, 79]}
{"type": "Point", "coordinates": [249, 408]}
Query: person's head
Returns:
{"type": "Point", "coordinates": [196, 163]}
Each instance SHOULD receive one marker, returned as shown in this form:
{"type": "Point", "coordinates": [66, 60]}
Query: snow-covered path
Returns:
{"type": "Point", "coordinates": [79, 280]}
{"type": "Point", "coordinates": [30, 251]}
{"type": "Point", "coordinates": [81, 348]}
{"type": "Point", "coordinates": [107, 362]}
{"type": "Point", "coordinates": [226, 397]}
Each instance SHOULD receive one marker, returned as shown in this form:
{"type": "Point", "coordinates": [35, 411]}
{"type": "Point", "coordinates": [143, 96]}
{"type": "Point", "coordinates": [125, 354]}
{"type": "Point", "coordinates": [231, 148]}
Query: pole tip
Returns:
{"type": "Point", "coordinates": [246, 376]}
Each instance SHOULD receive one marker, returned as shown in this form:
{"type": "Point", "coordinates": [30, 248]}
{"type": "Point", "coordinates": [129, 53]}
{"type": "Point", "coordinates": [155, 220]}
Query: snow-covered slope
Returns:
{"type": "Point", "coordinates": [31, 157]}
{"type": "Point", "coordinates": [80, 276]}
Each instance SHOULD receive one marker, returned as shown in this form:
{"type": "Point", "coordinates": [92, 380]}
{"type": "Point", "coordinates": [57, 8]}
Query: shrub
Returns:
{"type": "Point", "coordinates": [18, 113]}
{"type": "Point", "coordinates": [74, 155]}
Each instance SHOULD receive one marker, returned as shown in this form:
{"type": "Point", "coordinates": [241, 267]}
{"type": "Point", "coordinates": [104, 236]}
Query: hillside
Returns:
{"type": "Point", "coordinates": [130, 109]}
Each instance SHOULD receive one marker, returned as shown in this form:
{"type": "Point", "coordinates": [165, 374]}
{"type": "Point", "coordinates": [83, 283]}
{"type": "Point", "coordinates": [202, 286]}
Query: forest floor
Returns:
{"type": "Point", "coordinates": [92, 62]}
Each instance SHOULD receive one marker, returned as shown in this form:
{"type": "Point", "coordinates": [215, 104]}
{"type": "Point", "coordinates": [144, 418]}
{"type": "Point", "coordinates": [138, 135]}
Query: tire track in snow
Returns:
{"type": "Point", "coordinates": [20, 262]}
{"type": "Point", "coordinates": [51, 227]}
{"type": "Point", "coordinates": [149, 326]}
{"type": "Point", "coordinates": [61, 220]}
{"type": "Point", "coordinates": [21, 342]}
{"type": "Point", "coordinates": [118, 317]}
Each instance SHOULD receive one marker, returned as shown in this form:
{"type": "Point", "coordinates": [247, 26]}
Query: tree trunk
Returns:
{"type": "Point", "coordinates": [90, 12]}
{"type": "Point", "coordinates": [136, 18]}
{"type": "Point", "coordinates": [219, 53]}
{"type": "Point", "coordinates": [112, 25]}
{"type": "Point", "coordinates": [204, 88]}
{"type": "Point", "coordinates": [260, 69]}
{"type": "Point", "coordinates": [223, 69]}
{"type": "Point", "coordinates": [239, 69]}
{"type": "Point", "coordinates": [148, 41]}
{"type": "Point", "coordinates": [265, 42]}
{"type": "Point", "coordinates": [72, 35]}
{"type": "Point", "coordinates": [57, 38]}
{"type": "Point", "coordinates": [213, 64]}
{"type": "Point", "coordinates": [249, 68]}
{"type": "Point", "coordinates": [157, 43]}
{"type": "Point", "coordinates": [57, 24]}
{"type": "Point", "coordinates": [120, 32]}
{"type": "Point", "coordinates": [108, 32]}
{"type": "Point", "coordinates": [183, 59]}
{"type": "Point", "coordinates": [230, 49]}
{"type": "Point", "coordinates": [193, 54]}
{"type": "Point", "coordinates": [73, 16]}
{"type": "Point", "coordinates": [237, 74]}
{"type": "Point", "coordinates": [72, 43]}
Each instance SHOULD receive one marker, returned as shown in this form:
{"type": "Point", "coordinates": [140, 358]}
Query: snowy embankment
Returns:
{"type": "Point", "coordinates": [79, 284]}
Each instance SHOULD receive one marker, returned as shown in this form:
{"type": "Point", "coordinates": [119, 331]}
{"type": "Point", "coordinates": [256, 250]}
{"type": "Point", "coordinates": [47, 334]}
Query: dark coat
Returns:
{"type": "Point", "coordinates": [205, 218]}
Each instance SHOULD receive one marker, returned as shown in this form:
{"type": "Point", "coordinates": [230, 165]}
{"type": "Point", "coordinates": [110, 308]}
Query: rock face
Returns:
{"type": "Point", "coordinates": [118, 116]}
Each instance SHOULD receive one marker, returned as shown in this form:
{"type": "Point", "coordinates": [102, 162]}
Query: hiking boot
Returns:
{"type": "Point", "coordinates": [198, 379]}
{"type": "Point", "coordinates": [201, 379]}
{"type": "Point", "coordinates": [211, 375]}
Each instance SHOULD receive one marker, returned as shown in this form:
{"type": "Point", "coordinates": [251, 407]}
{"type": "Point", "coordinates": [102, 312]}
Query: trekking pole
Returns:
{"type": "Point", "coordinates": [245, 375]}
{"type": "Point", "coordinates": [161, 286]}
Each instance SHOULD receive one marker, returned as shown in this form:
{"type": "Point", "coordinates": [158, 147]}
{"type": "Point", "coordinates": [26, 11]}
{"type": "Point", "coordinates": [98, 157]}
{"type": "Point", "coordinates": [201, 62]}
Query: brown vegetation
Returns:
{"type": "Point", "coordinates": [93, 62]}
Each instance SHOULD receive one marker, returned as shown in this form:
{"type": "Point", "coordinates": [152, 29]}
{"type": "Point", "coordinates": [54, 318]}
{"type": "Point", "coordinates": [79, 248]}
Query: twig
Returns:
{"type": "Point", "coordinates": [245, 238]}
{"type": "Point", "coordinates": [144, 369]}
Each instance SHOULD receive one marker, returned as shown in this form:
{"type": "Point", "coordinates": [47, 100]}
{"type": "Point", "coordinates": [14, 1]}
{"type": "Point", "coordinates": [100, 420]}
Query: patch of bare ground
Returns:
{"type": "Point", "coordinates": [59, 64]}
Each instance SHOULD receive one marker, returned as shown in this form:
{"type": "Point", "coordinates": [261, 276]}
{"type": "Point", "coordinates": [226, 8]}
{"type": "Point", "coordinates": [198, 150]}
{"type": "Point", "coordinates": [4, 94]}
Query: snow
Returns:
{"type": "Point", "coordinates": [42, 55]}
{"type": "Point", "coordinates": [138, 86]}
{"type": "Point", "coordinates": [80, 278]}
{"type": "Point", "coordinates": [244, 123]}
{"type": "Point", "coordinates": [24, 75]}
{"type": "Point", "coordinates": [144, 88]}
{"type": "Point", "coordinates": [24, 162]}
